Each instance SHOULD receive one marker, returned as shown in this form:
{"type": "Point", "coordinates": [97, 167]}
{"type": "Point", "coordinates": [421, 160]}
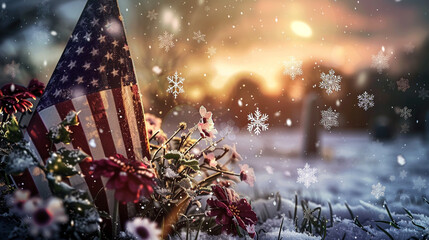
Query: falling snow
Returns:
{"type": "Point", "coordinates": [403, 84]}
{"type": "Point", "coordinates": [330, 82]}
{"type": "Point", "coordinates": [405, 113]}
{"type": "Point", "coordinates": [329, 118]}
{"type": "Point", "coordinates": [366, 101]}
{"type": "Point", "coordinates": [175, 84]}
{"type": "Point", "coordinates": [152, 15]}
{"type": "Point", "coordinates": [307, 175]}
{"type": "Point", "coordinates": [199, 37]}
{"type": "Point", "coordinates": [257, 122]}
{"type": "Point", "coordinates": [423, 94]}
{"type": "Point", "coordinates": [380, 61]}
{"type": "Point", "coordinates": [378, 190]}
{"type": "Point", "coordinates": [293, 67]}
{"type": "Point", "coordinates": [419, 183]}
{"type": "Point", "coordinates": [166, 41]}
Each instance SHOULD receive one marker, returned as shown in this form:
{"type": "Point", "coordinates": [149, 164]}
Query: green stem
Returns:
{"type": "Point", "coordinates": [193, 145]}
{"type": "Point", "coordinates": [220, 171]}
{"type": "Point", "coordinates": [115, 218]}
{"type": "Point", "coordinates": [181, 127]}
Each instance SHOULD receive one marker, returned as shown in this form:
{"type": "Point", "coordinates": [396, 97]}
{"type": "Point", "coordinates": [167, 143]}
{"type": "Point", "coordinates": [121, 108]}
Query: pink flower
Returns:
{"type": "Point", "coordinates": [230, 211]}
{"type": "Point", "coordinates": [44, 217]}
{"type": "Point", "coordinates": [206, 126]}
{"type": "Point", "coordinates": [20, 197]}
{"type": "Point", "coordinates": [143, 229]}
{"type": "Point", "coordinates": [234, 156]}
{"type": "Point", "coordinates": [210, 159]}
{"type": "Point", "coordinates": [129, 178]}
{"type": "Point", "coordinates": [247, 174]}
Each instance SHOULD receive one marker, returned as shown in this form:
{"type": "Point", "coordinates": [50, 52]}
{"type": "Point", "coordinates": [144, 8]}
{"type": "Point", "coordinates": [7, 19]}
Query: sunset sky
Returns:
{"type": "Point", "coordinates": [250, 37]}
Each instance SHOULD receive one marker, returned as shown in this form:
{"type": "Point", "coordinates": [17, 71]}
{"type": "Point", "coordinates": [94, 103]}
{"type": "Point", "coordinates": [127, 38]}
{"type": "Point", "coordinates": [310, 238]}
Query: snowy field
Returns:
{"type": "Point", "coordinates": [350, 165]}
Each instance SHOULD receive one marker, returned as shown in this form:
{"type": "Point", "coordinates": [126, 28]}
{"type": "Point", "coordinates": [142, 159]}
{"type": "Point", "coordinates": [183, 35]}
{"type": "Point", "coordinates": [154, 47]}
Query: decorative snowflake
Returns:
{"type": "Point", "coordinates": [403, 174]}
{"type": "Point", "coordinates": [152, 15]}
{"type": "Point", "coordinates": [330, 82]}
{"type": "Point", "coordinates": [211, 51]}
{"type": "Point", "coordinates": [403, 84]}
{"type": "Point", "coordinates": [380, 61]}
{"type": "Point", "coordinates": [175, 84]}
{"type": "Point", "coordinates": [199, 37]}
{"type": "Point", "coordinates": [293, 67]}
{"type": "Point", "coordinates": [366, 101]}
{"type": "Point", "coordinates": [329, 119]}
{"type": "Point", "coordinates": [405, 128]}
{"type": "Point", "coordinates": [306, 175]}
{"type": "Point", "coordinates": [12, 69]}
{"type": "Point", "coordinates": [257, 122]}
{"type": "Point", "coordinates": [405, 112]}
{"type": "Point", "coordinates": [378, 190]}
{"type": "Point", "coordinates": [423, 93]}
{"type": "Point", "coordinates": [166, 41]}
{"type": "Point", "coordinates": [419, 183]}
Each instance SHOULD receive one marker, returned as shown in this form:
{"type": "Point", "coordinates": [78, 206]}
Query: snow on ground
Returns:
{"type": "Point", "coordinates": [352, 162]}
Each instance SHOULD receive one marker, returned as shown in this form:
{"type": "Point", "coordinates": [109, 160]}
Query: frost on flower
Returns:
{"type": "Point", "coordinates": [330, 82]}
{"type": "Point", "coordinates": [405, 113]}
{"type": "Point", "coordinates": [175, 84]}
{"type": "Point", "coordinates": [366, 101]}
{"type": "Point", "coordinates": [419, 183]}
{"type": "Point", "coordinates": [307, 175]}
{"type": "Point", "coordinates": [293, 67]}
{"type": "Point", "coordinates": [329, 119]}
{"type": "Point", "coordinates": [257, 122]}
{"type": "Point", "coordinates": [380, 61]}
{"type": "Point", "coordinates": [378, 190]}
{"type": "Point", "coordinates": [403, 84]}
{"type": "Point", "coordinates": [199, 37]}
{"type": "Point", "coordinates": [166, 41]}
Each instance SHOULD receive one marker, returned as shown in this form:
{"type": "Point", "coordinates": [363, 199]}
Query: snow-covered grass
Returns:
{"type": "Point", "coordinates": [350, 164]}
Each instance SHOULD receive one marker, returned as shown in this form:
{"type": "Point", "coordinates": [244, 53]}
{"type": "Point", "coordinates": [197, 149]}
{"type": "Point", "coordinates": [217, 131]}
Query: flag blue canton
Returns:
{"type": "Point", "coordinates": [96, 57]}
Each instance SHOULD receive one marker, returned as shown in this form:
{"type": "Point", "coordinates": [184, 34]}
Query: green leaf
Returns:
{"type": "Point", "coordinates": [72, 157]}
{"type": "Point", "coordinates": [193, 163]}
{"type": "Point", "coordinates": [58, 188]}
{"type": "Point", "coordinates": [71, 119]}
{"type": "Point", "coordinates": [176, 155]}
{"type": "Point", "coordinates": [12, 131]}
{"type": "Point", "coordinates": [57, 166]}
{"type": "Point", "coordinates": [59, 133]}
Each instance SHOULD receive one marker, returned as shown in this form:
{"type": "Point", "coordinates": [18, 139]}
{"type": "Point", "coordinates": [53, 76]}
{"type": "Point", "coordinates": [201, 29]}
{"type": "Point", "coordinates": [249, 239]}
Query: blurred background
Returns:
{"type": "Point", "coordinates": [236, 64]}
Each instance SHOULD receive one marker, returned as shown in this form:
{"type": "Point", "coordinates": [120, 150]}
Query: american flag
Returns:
{"type": "Point", "coordinates": [95, 75]}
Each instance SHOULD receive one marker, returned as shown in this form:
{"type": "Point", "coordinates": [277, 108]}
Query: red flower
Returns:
{"type": "Point", "coordinates": [129, 178]}
{"type": "Point", "coordinates": [13, 98]}
{"type": "Point", "coordinates": [36, 87]}
{"type": "Point", "coordinates": [231, 212]}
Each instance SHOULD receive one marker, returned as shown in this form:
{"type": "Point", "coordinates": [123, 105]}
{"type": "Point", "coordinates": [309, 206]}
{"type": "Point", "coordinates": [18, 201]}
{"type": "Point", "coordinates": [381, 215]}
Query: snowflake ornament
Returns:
{"type": "Point", "coordinates": [330, 82]}
{"type": "Point", "coordinates": [329, 118]}
{"type": "Point", "coordinates": [175, 84]}
{"type": "Point", "coordinates": [366, 101]}
{"type": "Point", "coordinates": [257, 122]}
{"type": "Point", "coordinates": [199, 37]}
{"type": "Point", "coordinates": [405, 113]}
{"type": "Point", "coordinates": [378, 190]}
{"type": "Point", "coordinates": [423, 94]}
{"type": "Point", "coordinates": [293, 67]}
{"type": "Point", "coordinates": [307, 175]}
{"type": "Point", "coordinates": [166, 41]}
{"type": "Point", "coordinates": [403, 174]}
{"type": "Point", "coordinates": [152, 15]}
{"type": "Point", "coordinates": [380, 61]}
{"type": "Point", "coordinates": [403, 84]}
{"type": "Point", "coordinates": [419, 183]}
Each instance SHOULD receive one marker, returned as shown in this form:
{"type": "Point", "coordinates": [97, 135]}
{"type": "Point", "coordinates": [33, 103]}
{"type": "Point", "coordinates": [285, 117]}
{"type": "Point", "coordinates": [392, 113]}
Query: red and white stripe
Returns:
{"type": "Point", "coordinates": [111, 120]}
